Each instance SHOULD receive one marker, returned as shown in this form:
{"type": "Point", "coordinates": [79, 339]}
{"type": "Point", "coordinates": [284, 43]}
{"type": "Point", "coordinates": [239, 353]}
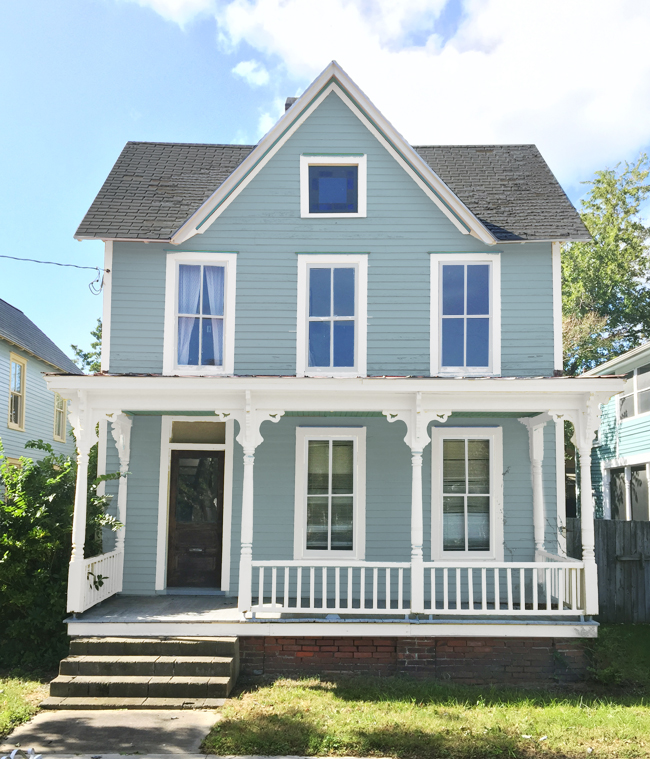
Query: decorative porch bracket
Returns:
{"type": "Point", "coordinates": [586, 422]}
{"type": "Point", "coordinates": [417, 421]}
{"type": "Point", "coordinates": [535, 426]}
{"type": "Point", "coordinates": [250, 420]}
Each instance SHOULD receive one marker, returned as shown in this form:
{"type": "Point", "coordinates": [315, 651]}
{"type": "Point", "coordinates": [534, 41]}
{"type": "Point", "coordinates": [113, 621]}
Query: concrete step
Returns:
{"type": "Point", "coordinates": [154, 647]}
{"type": "Point", "coordinates": [125, 686]}
{"type": "Point", "coordinates": [172, 666]}
{"type": "Point", "coordinates": [97, 702]}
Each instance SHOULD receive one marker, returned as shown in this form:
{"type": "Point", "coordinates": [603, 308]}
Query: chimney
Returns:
{"type": "Point", "coordinates": [288, 103]}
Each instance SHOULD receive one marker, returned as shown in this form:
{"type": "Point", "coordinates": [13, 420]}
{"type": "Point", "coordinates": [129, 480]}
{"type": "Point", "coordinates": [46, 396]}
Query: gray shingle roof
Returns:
{"type": "Point", "coordinates": [17, 329]}
{"type": "Point", "coordinates": [155, 186]}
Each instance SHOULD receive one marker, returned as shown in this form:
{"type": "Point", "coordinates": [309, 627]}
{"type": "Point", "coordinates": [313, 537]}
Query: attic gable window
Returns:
{"type": "Point", "coordinates": [332, 186]}
{"type": "Point", "coordinates": [199, 313]}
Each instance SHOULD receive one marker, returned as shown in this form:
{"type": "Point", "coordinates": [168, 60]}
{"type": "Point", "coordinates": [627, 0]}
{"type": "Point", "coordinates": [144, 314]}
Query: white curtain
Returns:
{"type": "Point", "coordinates": [189, 293]}
{"type": "Point", "coordinates": [213, 293]}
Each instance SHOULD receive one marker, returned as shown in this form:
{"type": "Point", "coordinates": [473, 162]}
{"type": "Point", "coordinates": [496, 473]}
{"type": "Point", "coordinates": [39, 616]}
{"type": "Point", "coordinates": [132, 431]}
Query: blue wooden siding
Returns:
{"type": "Point", "coordinates": [263, 226]}
{"type": "Point", "coordinates": [39, 408]}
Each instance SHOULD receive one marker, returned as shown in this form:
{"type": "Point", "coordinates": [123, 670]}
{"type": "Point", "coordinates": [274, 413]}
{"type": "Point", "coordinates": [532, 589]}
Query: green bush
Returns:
{"type": "Point", "coordinates": [36, 506]}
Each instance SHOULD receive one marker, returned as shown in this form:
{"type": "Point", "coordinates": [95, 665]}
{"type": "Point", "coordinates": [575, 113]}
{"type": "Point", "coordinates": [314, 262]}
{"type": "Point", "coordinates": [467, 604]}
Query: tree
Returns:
{"type": "Point", "coordinates": [605, 287]}
{"type": "Point", "coordinates": [90, 361]}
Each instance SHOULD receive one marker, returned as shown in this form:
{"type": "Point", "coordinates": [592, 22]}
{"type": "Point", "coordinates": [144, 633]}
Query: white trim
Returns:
{"type": "Point", "coordinates": [360, 261]}
{"type": "Point", "coordinates": [495, 436]}
{"type": "Point", "coordinates": [334, 79]}
{"type": "Point", "coordinates": [303, 435]}
{"type": "Point", "coordinates": [370, 629]}
{"type": "Point", "coordinates": [101, 453]}
{"type": "Point", "coordinates": [166, 449]}
{"type": "Point", "coordinates": [560, 487]}
{"type": "Point", "coordinates": [635, 460]}
{"type": "Point", "coordinates": [107, 306]}
{"type": "Point", "coordinates": [229, 260]}
{"type": "Point", "coordinates": [556, 257]}
{"type": "Point", "coordinates": [493, 258]}
{"type": "Point", "coordinates": [359, 161]}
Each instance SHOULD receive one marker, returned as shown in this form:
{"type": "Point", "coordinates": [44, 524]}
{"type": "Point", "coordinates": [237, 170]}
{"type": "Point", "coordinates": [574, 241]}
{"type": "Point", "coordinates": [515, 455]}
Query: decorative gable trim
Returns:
{"type": "Point", "coordinates": [334, 79]}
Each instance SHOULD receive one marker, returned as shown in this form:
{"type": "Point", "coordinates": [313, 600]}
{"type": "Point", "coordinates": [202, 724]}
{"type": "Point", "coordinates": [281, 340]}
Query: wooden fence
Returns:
{"type": "Point", "coordinates": [623, 558]}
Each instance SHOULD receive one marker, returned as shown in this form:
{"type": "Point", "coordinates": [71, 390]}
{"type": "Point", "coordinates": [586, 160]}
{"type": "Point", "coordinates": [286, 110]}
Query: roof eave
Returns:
{"type": "Point", "coordinates": [40, 358]}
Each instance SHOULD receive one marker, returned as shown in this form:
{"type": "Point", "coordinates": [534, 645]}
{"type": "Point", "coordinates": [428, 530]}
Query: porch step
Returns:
{"type": "Point", "coordinates": [141, 673]}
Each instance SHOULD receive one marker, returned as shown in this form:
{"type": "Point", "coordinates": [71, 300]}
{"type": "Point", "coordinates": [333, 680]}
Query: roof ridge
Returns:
{"type": "Point", "coordinates": [191, 144]}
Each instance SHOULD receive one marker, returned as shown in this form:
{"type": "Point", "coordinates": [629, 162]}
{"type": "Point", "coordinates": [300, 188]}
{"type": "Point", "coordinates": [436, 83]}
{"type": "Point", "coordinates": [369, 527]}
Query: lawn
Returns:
{"type": "Point", "coordinates": [398, 717]}
{"type": "Point", "coordinates": [19, 699]}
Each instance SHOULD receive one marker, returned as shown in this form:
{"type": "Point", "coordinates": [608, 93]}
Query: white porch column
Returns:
{"type": "Point", "coordinates": [249, 437]}
{"type": "Point", "coordinates": [628, 493]}
{"type": "Point", "coordinates": [417, 438]}
{"type": "Point", "coordinates": [81, 421]}
{"type": "Point", "coordinates": [121, 430]}
{"type": "Point", "coordinates": [535, 426]}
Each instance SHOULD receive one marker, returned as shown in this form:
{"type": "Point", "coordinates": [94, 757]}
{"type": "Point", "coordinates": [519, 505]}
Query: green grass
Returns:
{"type": "Point", "coordinates": [20, 696]}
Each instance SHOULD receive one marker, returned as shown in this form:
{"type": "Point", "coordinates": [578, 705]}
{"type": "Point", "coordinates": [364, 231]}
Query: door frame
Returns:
{"type": "Point", "coordinates": [166, 449]}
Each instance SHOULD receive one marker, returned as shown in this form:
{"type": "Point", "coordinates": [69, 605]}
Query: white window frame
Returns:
{"type": "Point", "coordinates": [495, 436]}
{"type": "Point", "coordinates": [170, 347]}
{"type": "Point", "coordinates": [14, 358]}
{"type": "Point", "coordinates": [634, 392]}
{"type": "Point", "coordinates": [344, 260]}
{"type": "Point", "coordinates": [437, 261]}
{"type": "Point", "coordinates": [63, 410]}
{"type": "Point", "coordinates": [303, 436]}
{"type": "Point", "coordinates": [332, 159]}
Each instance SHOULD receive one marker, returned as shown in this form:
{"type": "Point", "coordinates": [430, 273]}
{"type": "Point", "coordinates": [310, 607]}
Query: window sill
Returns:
{"type": "Point", "coordinates": [342, 558]}
{"type": "Point", "coordinates": [59, 440]}
{"type": "Point", "coordinates": [333, 216]}
{"type": "Point", "coordinates": [15, 427]}
{"type": "Point", "coordinates": [198, 372]}
{"type": "Point", "coordinates": [333, 374]}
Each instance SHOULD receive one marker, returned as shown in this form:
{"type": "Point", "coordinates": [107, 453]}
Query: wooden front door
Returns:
{"type": "Point", "coordinates": [195, 519]}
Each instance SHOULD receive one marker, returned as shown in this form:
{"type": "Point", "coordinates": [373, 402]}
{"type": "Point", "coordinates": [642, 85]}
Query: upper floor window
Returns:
{"type": "Point", "coordinates": [332, 315]}
{"type": "Point", "coordinates": [199, 313]}
{"type": "Point", "coordinates": [17, 384]}
{"type": "Point", "coordinates": [59, 418]}
{"type": "Point", "coordinates": [333, 186]}
{"type": "Point", "coordinates": [465, 314]}
{"type": "Point", "coordinates": [635, 399]}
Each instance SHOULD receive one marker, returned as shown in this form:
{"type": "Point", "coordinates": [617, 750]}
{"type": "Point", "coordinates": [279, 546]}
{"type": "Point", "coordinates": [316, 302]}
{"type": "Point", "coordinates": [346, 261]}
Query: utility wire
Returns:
{"type": "Point", "coordinates": [95, 286]}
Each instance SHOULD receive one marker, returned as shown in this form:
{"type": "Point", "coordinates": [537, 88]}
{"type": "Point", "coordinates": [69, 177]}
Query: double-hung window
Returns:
{"type": "Point", "coordinates": [467, 493]}
{"type": "Point", "coordinates": [465, 314]}
{"type": "Point", "coordinates": [635, 399]}
{"type": "Point", "coordinates": [330, 492]}
{"type": "Point", "coordinates": [17, 385]}
{"type": "Point", "coordinates": [59, 418]}
{"type": "Point", "coordinates": [332, 316]}
{"type": "Point", "coordinates": [199, 313]}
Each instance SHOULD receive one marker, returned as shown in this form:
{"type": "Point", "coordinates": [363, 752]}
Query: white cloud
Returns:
{"type": "Point", "coordinates": [179, 11]}
{"type": "Point", "coordinates": [572, 77]}
{"type": "Point", "coordinates": [252, 72]}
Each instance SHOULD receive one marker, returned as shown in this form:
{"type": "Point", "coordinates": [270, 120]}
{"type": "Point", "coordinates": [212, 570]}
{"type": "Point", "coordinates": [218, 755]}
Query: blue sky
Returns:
{"type": "Point", "coordinates": [81, 77]}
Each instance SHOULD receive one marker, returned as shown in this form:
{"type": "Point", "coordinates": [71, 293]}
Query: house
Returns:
{"type": "Point", "coordinates": [332, 368]}
{"type": "Point", "coordinates": [31, 410]}
{"type": "Point", "coordinates": [621, 454]}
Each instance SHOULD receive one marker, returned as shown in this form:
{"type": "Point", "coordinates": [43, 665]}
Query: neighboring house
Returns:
{"type": "Point", "coordinates": [31, 411]}
{"type": "Point", "coordinates": [621, 453]}
{"type": "Point", "coordinates": [331, 365]}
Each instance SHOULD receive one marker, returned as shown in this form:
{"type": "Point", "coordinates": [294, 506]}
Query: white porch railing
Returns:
{"type": "Point", "coordinates": [548, 588]}
{"type": "Point", "coordinates": [305, 587]}
{"type": "Point", "coordinates": [95, 579]}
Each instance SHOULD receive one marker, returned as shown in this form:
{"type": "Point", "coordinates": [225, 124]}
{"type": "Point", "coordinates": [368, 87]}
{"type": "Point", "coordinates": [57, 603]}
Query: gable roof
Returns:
{"type": "Point", "coordinates": [17, 329]}
{"type": "Point", "coordinates": [170, 192]}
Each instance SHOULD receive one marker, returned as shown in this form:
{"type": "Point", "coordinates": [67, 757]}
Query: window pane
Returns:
{"type": "Point", "coordinates": [643, 377]}
{"type": "Point", "coordinates": [319, 343]}
{"type": "Point", "coordinates": [343, 292]}
{"type": "Point", "coordinates": [342, 508]}
{"type": "Point", "coordinates": [317, 523]}
{"type": "Point", "coordinates": [478, 342]}
{"type": "Point", "coordinates": [453, 523]}
{"type": "Point", "coordinates": [617, 493]}
{"type": "Point", "coordinates": [453, 339]}
{"type": "Point", "coordinates": [453, 290]}
{"type": "Point", "coordinates": [478, 289]}
{"type": "Point", "coordinates": [639, 493]}
{"type": "Point", "coordinates": [342, 466]}
{"type": "Point", "coordinates": [478, 461]}
{"type": "Point", "coordinates": [212, 343]}
{"type": "Point", "coordinates": [196, 497]}
{"type": "Point", "coordinates": [644, 401]}
{"type": "Point", "coordinates": [478, 523]}
{"type": "Point", "coordinates": [189, 289]}
{"type": "Point", "coordinates": [453, 466]}
{"type": "Point", "coordinates": [188, 341]}
{"type": "Point", "coordinates": [16, 378]}
{"type": "Point", "coordinates": [626, 408]}
{"type": "Point", "coordinates": [318, 467]}
{"type": "Point", "coordinates": [213, 279]}
{"type": "Point", "coordinates": [319, 292]}
{"type": "Point", "coordinates": [343, 344]}
{"type": "Point", "coordinates": [333, 189]}
{"type": "Point", "coordinates": [15, 404]}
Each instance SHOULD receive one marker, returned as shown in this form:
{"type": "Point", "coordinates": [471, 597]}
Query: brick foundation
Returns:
{"type": "Point", "coordinates": [482, 661]}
